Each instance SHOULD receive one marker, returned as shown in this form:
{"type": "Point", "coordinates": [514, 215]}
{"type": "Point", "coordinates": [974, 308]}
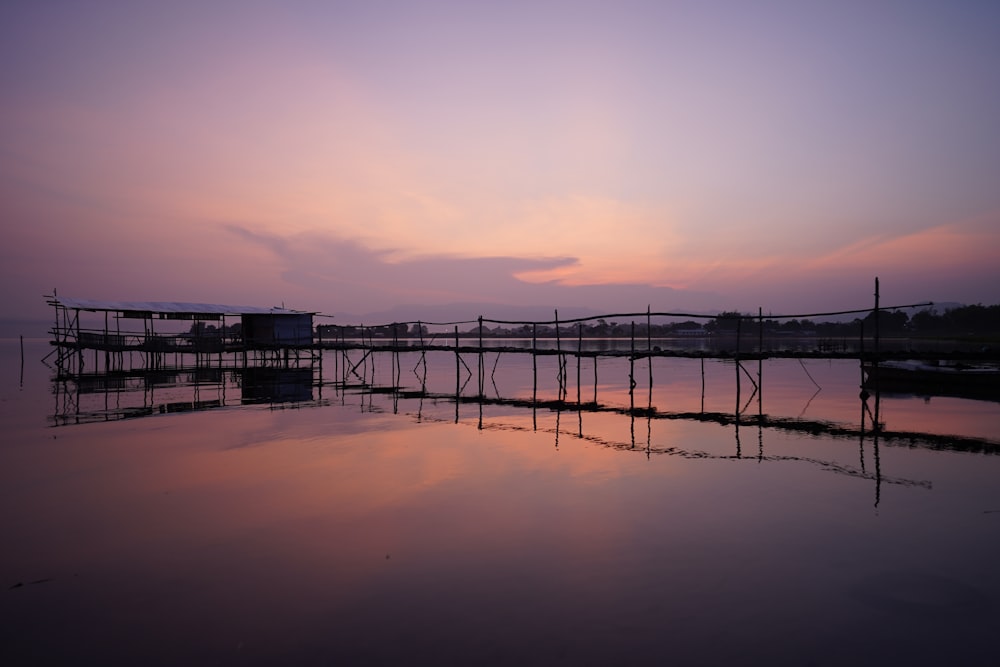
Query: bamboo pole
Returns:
{"type": "Point", "coordinates": [649, 352]}
{"type": "Point", "coordinates": [703, 384]}
{"type": "Point", "coordinates": [76, 319]}
{"type": "Point", "coordinates": [579, 358]}
{"type": "Point", "coordinates": [395, 357]}
{"type": "Point", "coordinates": [481, 371]}
{"type": "Point", "coordinates": [423, 356]}
{"type": "Point", "coordinates": [560, 361]}
{"type": "Point", "coordinates": [760, 365]}
{"type": "Point", "coordinates": [534, 376]}
{"type": "Point", "coordinates": [877, 318]}
{"type": "Point", "coordinates": [631, 378]}
{"type": "Point", "coordinates": [875, 361]}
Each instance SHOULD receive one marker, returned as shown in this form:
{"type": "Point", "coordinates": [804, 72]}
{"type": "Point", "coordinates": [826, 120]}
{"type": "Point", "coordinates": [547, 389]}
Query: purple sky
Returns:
{"type": "Point", "coordinates": [351, 157]}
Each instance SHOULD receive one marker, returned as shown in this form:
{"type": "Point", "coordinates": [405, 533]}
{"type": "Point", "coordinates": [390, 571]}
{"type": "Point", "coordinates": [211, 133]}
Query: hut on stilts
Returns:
{"type": "Point", "coordinates": [105, 336]}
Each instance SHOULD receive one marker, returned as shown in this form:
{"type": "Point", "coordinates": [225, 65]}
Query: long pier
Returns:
{"type": "Point", "coordinates": [95, 356]}
{"type": "Point", "coordinates": [277, 336]}
{"type": "Point", "coordinates": [270, 358]}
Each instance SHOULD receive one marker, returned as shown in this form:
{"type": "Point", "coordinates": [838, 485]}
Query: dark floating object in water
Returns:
{"type": "Point", "coordinates": [934, 378]}
{"type": "Point", "coordinates": [21, 584]}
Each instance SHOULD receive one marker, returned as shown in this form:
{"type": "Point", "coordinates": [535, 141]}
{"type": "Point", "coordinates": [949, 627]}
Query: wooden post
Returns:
{"type": "Point", "coordinates": [534, 362]}
{"type": "Point", "coordinates": [875, 360]}
{"type": "Point", "coordinates": [579, 358]}
{"type": "Point", "coordinates": [458, 373]}
{"type": "Point", "coordinates": [739, 323]}
{"type": "Point", "coordinates": [118, 337]}
{"type": "Point", "coordinates": [703, 384]}
{"type": "Point", "coordinates": [481, 370]}
{"type": "Point", "coordinates": [877, 318]}
{"type": "Point", "coordinates": [423, 357]}
{"type": "Point", "coordinates": [559, 360]}
{"type": "Point", "coordinates": [364, 359]}
{"type": "Point", "coordinates": [649, 351]}
{"type": "Point", "coordinates": [107, 343]}
{"type": "Point", "coordinates": [631, 379]}
{"type": "Point", "coordinates": [79, 354]}
{"type": "Point", "coordinates": [338, 389]}
{"type": "Point", "coordinates": [395, 359]}
{"type": "Point", "coordinates": [760, 366]}
{"type": "Point", "coordinates": [319, 336]}
{"type": "Point", "coordinates": [760, 331]}
{"type": "Point", "coordinates": [345, 359]}
{"type": "Point", "coordinates": [534, 375]}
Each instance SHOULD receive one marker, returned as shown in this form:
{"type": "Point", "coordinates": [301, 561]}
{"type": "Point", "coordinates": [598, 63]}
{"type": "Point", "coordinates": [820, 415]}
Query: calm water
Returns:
{"type": "Point", "coordinates": [370, 528]}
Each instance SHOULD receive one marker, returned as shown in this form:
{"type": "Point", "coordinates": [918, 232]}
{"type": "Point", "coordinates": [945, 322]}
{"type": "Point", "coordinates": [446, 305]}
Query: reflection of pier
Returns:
{"type": "Point", "coordinates": [357, 375]}
{"type": "Point", "coordinates": [741, 417]}
{"type": "Point", "coordinates": [141, 393]}
{"type": "Point", "coordinates": [737, 421]}
{"type": "Point", "coordinates": [868, 466]}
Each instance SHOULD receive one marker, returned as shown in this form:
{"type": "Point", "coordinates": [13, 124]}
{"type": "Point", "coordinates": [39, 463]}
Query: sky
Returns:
{"type": "Point", "coordinates": [351, 157]}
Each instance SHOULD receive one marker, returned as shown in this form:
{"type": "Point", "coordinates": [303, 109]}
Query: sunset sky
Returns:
{"type": "Point", "coordinates": [355, 156]}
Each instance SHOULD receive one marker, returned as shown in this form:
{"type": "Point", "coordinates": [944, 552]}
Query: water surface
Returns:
{"type": "Point", "coordinates": [354, 527]}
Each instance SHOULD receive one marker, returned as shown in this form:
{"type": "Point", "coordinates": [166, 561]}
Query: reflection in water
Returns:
{"type": "Point", "coordinates": [96, 397]}
{"type": "Point", "coordinates": [372, 529]}
{"type": "Point", "coordinates": [139, 393]}
{"type": "Point", "coordinates": [103, 397]}
{"type": "Point", "coordinates": [276, 385]}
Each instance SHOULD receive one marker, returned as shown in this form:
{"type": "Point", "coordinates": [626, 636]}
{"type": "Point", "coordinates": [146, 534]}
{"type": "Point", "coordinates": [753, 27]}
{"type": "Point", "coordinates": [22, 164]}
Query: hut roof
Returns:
{"type": "Point", "coordinates": [170, 307]}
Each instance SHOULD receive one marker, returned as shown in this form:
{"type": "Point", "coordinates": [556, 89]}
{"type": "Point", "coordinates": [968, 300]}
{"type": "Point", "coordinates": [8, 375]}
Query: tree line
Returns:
{"type": "Point", "coordinates": [964, 321]}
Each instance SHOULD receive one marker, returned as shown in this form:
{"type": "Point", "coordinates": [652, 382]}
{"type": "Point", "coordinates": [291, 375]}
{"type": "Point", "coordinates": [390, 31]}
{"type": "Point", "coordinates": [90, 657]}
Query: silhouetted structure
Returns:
{"type": "Point", "coordinates": [255, 335]}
